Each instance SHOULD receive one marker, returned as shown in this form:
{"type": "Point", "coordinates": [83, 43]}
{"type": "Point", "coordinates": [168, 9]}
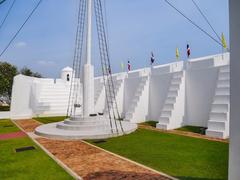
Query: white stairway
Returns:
{"type": "Point", "coordinates": [99, 86]}
{"type": "Point", "coordinates": [138, 111]}
{"type": "Point", "coordinates": [218, 123]}
{"type": "Point", "coordinates": [52, 99]}
{"type": "Point", "coordinates": [172, 113]}
{"type": "Point", "coordinates": [118, 83]}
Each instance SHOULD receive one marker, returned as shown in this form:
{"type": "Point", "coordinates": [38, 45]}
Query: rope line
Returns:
{"type": "Point", "coordinates": [206, 19]}
{"type": "Point", "coordinates": [19, 30]}
{"type": "Point", "coordinates": [8, 12]}
{"type": "Point", "coordinates": [192, 22]}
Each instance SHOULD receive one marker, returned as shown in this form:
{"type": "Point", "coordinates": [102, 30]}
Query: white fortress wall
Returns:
{"type": "Point", "coordinates": [194, 92]}
{"type": "Point", "coordinates": [136, 95]}
{"type": "Point", "coordinates": [21, 102]}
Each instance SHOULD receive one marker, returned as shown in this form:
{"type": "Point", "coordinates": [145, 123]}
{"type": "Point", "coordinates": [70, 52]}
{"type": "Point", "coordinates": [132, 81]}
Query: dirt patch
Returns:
{"type": "Point", "coordinates": [28, 125]}
{"type": "Point", "coordinates": [184, 133]}
{"type": "Point", "coordinates": [92, 163]}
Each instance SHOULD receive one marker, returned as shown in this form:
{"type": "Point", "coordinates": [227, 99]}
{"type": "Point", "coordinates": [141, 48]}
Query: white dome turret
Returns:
{"type": "Point", "coordinates": [66, 74]}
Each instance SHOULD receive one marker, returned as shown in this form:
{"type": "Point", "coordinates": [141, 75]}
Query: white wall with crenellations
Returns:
{"type": "Point", "coordinates": [193, 92]}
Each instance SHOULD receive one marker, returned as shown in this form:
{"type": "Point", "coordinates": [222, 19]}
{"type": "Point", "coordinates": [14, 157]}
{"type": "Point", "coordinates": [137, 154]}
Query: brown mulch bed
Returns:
{"type": "Point", "coordinates": [28, 125]}
{"type": "Point", "coordinates": [12, 135]}
{"type": "Point", "coordinates": [184, 133]}
{"type": "Point", "coordinates": [92, 163]}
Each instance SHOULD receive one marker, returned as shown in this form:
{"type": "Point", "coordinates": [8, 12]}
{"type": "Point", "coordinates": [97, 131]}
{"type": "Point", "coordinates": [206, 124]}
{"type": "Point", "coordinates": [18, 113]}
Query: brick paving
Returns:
{"type": "Point", "coordinates": [28, 125]}
{"type": "Point", "coordinates": [12, 135]}
{"type": "Point", "coordinates": [92, 163]}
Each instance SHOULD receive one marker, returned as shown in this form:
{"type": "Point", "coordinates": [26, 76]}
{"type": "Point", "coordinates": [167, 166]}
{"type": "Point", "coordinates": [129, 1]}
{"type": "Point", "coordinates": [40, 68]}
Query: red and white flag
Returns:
{"type": "Point", "coordinates": [188, 51]}
{"type": "Point", "coordinates": [129, 66]}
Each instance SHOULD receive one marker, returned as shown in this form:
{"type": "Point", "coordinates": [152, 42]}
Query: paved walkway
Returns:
{"type": "Point", "coordinates": [184, 133]}
{"type": "Point", "coordinates": [12, 135]}
{"type": "Point", "coordinates": [90, 162]}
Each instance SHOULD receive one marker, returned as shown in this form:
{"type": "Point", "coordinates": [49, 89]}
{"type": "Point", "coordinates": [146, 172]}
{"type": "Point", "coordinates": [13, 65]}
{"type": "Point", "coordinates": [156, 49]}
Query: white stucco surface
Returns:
{"type": "Point", "coordinates": [194, 92]}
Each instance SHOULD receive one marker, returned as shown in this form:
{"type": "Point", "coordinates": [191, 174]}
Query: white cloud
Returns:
{"type": "Point", "coordinates": [21, 44]}
{"type": "Point", "coordinates": [46, 63]}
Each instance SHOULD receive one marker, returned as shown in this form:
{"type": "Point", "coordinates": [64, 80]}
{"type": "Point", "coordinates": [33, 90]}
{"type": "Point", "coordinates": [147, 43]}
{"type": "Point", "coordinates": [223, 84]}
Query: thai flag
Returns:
{"type": "Point", "coordinates": [129, 66]}
{"type": "Point", "coordinates": [152, 58]}
{"type": "Point", "coordinates": [188, 51]}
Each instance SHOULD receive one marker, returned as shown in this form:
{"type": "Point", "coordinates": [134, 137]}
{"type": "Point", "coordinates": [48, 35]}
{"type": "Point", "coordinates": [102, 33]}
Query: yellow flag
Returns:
{"type": "Point", "coordinates": [224, 44]}
{"type": "Point", "coordinates": [122, 66]}
{"type": "Point", "coordinates": [177, 53]}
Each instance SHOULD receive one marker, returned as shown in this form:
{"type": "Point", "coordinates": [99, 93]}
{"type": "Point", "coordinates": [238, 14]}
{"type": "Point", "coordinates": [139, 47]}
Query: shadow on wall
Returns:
{"type": "Point", "coordinates": [37, 107]}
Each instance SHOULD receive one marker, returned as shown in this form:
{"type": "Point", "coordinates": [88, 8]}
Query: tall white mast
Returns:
{"type": "Point", "coordinates": [89, 31]}
{"type": "Point", "coordinates": [88, 80]}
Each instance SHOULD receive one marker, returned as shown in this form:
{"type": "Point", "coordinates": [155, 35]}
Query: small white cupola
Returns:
{"type": "Point", "coordinates": [66, 74]}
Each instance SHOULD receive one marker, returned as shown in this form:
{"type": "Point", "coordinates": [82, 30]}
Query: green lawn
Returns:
{"type": "Point", "coordinates": [32, 164]}
{"type": "Point", "coordinates": [46, 120]}
{"type": "Point", "coordinates": [179, 156]}
{"type": "Point", "coordinates": [6, 126]}
{"type": "Point", "coordinates": [194, 129]}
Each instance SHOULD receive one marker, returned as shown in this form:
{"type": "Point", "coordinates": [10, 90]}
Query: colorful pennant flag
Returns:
{"type": "Point", "coordinates": [224, 44]}
{"type": "Point", "coordinates": [152, 58]}
{"type": "Point", "coordinates": [177, 53]}
{"type": "Point", "coordinates": [188, 51]}
{"type": "Point", "coordinates": [122, 66]}
{"type": "Point", "coordinates": [129, 66]}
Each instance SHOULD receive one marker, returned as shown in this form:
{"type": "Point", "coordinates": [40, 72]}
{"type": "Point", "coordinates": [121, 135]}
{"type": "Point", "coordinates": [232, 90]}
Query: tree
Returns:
{"type": "Point", "coordinates": [28, 72]}
{"type": "Point", "coordinates": [7, 73]}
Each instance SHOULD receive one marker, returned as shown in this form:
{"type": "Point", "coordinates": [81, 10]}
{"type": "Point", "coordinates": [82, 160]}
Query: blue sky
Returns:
{"type": "Point", "coordinates": [135, 28]}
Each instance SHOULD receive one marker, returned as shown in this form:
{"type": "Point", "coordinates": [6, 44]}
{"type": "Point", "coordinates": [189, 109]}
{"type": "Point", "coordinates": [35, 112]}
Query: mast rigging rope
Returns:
{"type": "Point", "coordinates": [19, 30]}
{"type": "Point", "coordinates": [193, 23]}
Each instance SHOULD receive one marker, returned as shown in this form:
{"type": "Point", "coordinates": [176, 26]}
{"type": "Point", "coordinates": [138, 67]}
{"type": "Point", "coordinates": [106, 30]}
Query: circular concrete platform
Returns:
{"type": "Point", "coordinates": [98, 127]}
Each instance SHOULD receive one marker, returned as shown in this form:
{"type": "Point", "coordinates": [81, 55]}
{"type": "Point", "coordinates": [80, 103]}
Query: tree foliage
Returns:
{"type": "Point", "coordinates": [28, 72]}
{"type": "Point", "coordinates": [7, 73]}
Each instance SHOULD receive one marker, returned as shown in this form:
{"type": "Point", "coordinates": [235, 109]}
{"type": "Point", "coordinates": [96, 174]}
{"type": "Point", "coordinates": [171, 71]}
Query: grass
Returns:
{"type": "Point", "coordinates": [194, 129]}
{"type": "Point", "coordinates": [4, 108]}
{"type": "Point", "coordinates": [183, 157]}
{"type": "Point", "coordinates": [150, 123]}
{"type": "Point", "coordinates": [6, 126]}
{"type": "Point", "coordinates": [46, 120]}
{"type": "Point", "coordinates": [32, 164]}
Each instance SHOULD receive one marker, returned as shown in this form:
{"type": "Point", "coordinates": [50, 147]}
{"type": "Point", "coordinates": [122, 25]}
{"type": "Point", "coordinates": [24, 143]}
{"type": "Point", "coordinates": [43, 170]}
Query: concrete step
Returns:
{"type": "Point", "coordinates": [168, 107]}
{"type": "Point", "coordinates": [221, 99]}
{"type": "Point", "coordinates": [52, 93]}
{"type": "Point", "coordinates": [224, 76]}
{"type": "Point", "coordinates": [97, 121]}
{"type": "Point", "coordinates": [223, 83]}
{"type": "Point", "coordinates": [224, 69]}
{"type": "Point", "coordinates": [163, 120]}
{"type": "Point", "coordinates": [219, 108]}
{"type": "Point", "coordinates": [178, 74]}
{"type": "Point", "coordinates": [222, 92]}
{"type": "Point", "coordinates": [216, 116]}
{"type": "Point", "coordinates": [172, 94]}
{"type": "Point", "coordinates": [64, 126]}
{"type": "Point", "coordinates": [166, 113]}
{"type": "Point", "coordinates": [52, 111]}
{"type": "Point", "coordinates": [174, 87]}
{"type": "Point", "coordinates": [176, 81]}
{"type": "Point", "coordinates": [216, 134]}
{"type": "Point", "coordinates": [162, 126]}
{"type": "Point", "coordinates": [217, 125]}
{"type": "Point", "coordinates": [170, 100]}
